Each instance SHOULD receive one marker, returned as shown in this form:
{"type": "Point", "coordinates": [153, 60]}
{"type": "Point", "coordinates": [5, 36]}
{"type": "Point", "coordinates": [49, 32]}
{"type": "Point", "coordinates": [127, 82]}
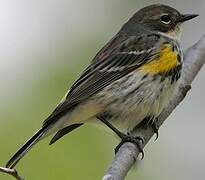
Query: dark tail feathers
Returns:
{"type": "Point", "coordinates": [25, 148]}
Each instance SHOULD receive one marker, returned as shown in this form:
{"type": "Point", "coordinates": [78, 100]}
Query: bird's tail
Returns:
{"type": "Point", "coordinates": [26, 147]}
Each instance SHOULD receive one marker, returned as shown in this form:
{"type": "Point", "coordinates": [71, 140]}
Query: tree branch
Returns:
{"type": "Point", "coordinates": [194, 59]}
{"type": "Point", "coordinates": [11, 172]}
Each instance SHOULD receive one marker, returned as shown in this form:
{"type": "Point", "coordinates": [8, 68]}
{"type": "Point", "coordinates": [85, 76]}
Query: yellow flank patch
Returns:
{"type": "Point", "coordinates": [166, 61]}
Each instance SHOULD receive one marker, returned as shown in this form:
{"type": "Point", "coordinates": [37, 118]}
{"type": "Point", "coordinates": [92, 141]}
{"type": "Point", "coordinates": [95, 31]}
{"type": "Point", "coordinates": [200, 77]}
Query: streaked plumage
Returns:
{"type": "Point", "coordinates": [133, 77]}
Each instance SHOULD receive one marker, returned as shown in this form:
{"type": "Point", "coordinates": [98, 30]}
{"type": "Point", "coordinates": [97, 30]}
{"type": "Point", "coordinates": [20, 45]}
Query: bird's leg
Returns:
{"type": "Point", "coordinates": [114, 129]}
{"type": "Point", "coordinates": [138, 141]}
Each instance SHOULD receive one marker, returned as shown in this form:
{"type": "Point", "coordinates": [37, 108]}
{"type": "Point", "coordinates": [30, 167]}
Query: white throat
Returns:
{"type": "Point", "coordinates": [175, 34]}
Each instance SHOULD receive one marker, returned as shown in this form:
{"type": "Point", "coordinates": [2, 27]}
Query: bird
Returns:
{"type": "Point", "coordinates": [129, 81]}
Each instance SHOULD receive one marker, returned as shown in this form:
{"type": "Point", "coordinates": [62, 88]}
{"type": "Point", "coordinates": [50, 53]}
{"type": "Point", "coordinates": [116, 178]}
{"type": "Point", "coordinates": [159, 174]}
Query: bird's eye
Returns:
{"type": "Point", "coordinates": [165, 18]}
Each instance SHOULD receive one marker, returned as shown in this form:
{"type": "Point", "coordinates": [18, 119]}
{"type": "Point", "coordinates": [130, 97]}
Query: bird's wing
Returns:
{"type": "Point", "coordinates": [119, 57]}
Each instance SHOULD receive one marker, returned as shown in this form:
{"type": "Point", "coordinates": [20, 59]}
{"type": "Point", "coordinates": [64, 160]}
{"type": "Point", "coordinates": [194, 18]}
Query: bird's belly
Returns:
{"type": "Point", "coordinates": [130, 100]}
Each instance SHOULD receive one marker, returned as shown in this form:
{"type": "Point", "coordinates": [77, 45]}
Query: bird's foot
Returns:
{"type": "Point", "coordinates": [138, 141]}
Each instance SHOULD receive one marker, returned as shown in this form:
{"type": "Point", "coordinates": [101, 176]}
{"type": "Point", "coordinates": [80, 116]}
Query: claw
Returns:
{"type": "Point", "coordinates": [142, 152]}
{"type": "Point", "coordinates": [157, 135]}
{"type": "Point", "coordinates": [156, 130]}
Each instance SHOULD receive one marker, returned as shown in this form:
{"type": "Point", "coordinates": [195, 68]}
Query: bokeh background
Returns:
{"type": "Point", "coordinates": [44, 45]}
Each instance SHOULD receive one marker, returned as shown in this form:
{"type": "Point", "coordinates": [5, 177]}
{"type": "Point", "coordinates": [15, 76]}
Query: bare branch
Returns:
{"type": "Point", "coordinates": [125, 158]}
{"type": "Point", "coordinates": [11, 172]}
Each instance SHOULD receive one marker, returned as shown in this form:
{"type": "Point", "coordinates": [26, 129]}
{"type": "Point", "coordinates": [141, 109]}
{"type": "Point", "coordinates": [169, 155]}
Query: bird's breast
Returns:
{"type": "Point", "coordinates": [138, 95]}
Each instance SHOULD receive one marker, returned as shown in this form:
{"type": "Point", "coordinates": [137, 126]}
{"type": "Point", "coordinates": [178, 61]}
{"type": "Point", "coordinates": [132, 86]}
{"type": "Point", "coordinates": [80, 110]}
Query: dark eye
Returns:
{"type": "Point", "coordinates": [165, 18]}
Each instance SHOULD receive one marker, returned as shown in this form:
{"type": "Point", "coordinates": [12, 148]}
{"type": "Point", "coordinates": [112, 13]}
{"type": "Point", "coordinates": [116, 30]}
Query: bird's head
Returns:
{"type": "Point", "coordinates": [161, 18]}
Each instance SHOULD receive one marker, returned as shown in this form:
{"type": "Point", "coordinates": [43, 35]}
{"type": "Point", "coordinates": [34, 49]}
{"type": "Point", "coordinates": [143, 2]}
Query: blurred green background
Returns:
{"type": "Point", "coordinates": [44, 45]}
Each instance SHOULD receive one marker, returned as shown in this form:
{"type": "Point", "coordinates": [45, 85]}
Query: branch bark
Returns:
{"type": "Point", "coordinates": [194, 59]}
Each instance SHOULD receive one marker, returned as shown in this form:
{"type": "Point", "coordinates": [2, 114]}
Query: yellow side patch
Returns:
{"type": "Point", "coordinates": [166, 61]}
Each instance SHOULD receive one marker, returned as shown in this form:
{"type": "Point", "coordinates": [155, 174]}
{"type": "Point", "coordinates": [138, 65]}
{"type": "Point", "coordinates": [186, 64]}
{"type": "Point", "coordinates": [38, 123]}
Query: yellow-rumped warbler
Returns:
{"type": "Point", "coordinates": [130, 80]}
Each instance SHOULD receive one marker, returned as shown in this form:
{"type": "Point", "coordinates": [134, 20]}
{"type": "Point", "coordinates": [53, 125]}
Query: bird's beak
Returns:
{"type": "Point", "coordinates": [187, 17]}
